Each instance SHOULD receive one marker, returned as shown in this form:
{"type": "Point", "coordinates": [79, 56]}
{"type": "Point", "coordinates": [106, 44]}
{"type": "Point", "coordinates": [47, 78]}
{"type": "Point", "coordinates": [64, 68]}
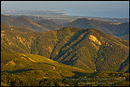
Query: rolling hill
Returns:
{"type": "Point", "coordinates": [48, 24]}
{"type": "Point", "coordinates": [20, 69]}
{"type": "Point", "coordinates": [117, 30]}
{"type": "Point", "coordinates": [22, 22]}
{"type": "Point", "coordinates": [14, 62]}
{"type": "Point", "coordinates": [40, 24]}
{"type": "Point", "coordinates": [88, 49]}
{"type": "Point", "coordinates": [58, 57]}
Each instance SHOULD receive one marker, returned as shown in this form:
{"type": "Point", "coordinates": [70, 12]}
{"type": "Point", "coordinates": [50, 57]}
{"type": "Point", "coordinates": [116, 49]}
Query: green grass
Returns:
{"type": "Point", "coordinates": [32, 67]}
{"type": "Point", "coordinates": [35, 62]}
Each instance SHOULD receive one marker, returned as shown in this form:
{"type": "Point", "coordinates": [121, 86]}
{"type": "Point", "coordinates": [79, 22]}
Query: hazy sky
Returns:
{"type": "Point", "coordinates": [79, 8]}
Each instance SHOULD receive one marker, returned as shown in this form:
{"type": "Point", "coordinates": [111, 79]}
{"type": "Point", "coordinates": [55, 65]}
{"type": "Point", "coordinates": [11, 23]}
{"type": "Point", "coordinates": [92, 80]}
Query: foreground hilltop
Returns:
{"type": "Point", "coordinates": [89, 49]}
{"type": "Point", "coordinates": [61, 57]}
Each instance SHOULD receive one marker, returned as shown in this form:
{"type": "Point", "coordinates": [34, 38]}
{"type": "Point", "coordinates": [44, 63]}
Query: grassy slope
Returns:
{"type": "Point", "coordinates": [20, 63]}
{"type": "Point", "coordinates": [30, 67]}
{"type": "Point", "coordinates": [22, 22]}
{"type": "Point", "coordinates": [81, 52]}
{"type": "Point", "coordinates": [70, 46]}
{"type": "Point", "coordinates": [117, 30]}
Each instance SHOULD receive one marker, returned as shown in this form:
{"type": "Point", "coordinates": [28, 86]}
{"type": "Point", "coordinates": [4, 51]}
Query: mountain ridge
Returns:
{"type": "Point", "coordinates": [71, 46]}
{"type": "Point", "coordinates": [43, 25]}
{"type": "Point", "coordinates": [111, 29]}
{"type": "Point", "coordinates": [23, 22]}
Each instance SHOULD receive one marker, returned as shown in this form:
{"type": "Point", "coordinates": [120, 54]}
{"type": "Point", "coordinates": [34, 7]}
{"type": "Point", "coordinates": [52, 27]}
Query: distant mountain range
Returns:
{"type": "Point", "coordinates": [22, 22]}
{"type": "Point", "coordinates": [43, 25]}
{"type": "Point", "coordinates": [38, 26]}
{"type": "Point", "coordinates": [121, 30]}
{"type": "Point", "coordinates": [49, 53]}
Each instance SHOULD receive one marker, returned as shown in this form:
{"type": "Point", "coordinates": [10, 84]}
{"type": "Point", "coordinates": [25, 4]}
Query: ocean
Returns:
{"type": "Point", "coordinates": [112, 9]}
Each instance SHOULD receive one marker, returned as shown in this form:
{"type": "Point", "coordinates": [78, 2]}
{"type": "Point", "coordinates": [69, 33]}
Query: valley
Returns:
{"type": "Point", "coordinates": [50, 48]}
{"type": "Point", "coordinates": [57, 55]}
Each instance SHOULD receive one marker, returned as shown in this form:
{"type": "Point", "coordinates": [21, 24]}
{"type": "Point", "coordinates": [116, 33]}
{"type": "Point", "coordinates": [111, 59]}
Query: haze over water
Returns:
{"type": "Point", "coordinates": [113, 9]}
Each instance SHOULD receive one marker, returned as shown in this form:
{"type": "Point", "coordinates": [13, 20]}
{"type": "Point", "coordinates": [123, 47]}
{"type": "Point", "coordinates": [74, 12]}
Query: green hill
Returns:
{"type": "Point", "coordinates": [20, 63]}
{"type": "Point", "coordinates": [90, 49]}
{"type": "Point", "coordinates": [20, 29]}
{"type": "Point", "coordinates": [36, 24]}
{"type": "Point", "coordinates": [23, 67]}
{"type": "Point", "coordinates": [48, 24]}
{"type": "Point", "coordinates": [117, 30]}
{"type": "Point", "coordinates": [40, 24]}
{"type": "Point", "coordinates": [27, 57]}
{"type": "Point", "coordinates": [22, 22]}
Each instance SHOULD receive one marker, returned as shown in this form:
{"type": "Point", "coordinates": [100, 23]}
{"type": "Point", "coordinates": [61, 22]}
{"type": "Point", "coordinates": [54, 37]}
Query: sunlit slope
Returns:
{"type": "Point", "coordinates": [121, 30]}
{"type": "Point", "coordinates": [92, 50]}
{"type": "Point", "coordinates": [19, 63]}
{"type": "Point", "coordinates": [89, 49]}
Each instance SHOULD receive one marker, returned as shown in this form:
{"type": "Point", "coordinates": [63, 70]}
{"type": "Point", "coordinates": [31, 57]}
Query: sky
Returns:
{"type": "Point", "coordinates": [114, 9]}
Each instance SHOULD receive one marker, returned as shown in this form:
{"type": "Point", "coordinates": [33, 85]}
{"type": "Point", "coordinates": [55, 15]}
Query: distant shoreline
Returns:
{"type": "Point", "coordinates": [59, 12]}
